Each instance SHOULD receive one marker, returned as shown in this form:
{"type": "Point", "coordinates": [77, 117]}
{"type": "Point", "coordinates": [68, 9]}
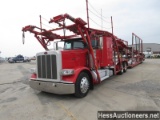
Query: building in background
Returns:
{"type": "Point", "coordinates": [151, 49]}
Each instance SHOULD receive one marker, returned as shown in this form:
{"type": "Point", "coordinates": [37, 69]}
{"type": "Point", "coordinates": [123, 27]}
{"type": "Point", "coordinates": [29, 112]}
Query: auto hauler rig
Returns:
{"type": "Point", "coordinates": [88, 57]}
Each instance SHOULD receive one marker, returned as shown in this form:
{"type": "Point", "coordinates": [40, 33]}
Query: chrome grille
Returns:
{"type": "Point", "coordinates": [47, 66]}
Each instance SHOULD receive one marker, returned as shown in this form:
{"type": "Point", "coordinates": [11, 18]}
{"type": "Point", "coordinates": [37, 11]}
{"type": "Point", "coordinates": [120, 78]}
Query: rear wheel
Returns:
{"type": "Point", "coordinates": [82, 85]}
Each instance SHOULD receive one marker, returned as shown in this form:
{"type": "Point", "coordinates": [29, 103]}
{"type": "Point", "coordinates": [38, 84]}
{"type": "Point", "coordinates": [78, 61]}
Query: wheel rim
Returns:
{"type": "Point", "coordinates": [84, 85]}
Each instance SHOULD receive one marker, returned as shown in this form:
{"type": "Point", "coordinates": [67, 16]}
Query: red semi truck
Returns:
{"type": "Point", "coordinates": [79, 60]}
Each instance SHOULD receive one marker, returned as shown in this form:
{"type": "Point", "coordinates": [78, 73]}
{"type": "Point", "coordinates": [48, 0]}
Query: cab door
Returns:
{"type": "Point", "coordinates": [97, 50]}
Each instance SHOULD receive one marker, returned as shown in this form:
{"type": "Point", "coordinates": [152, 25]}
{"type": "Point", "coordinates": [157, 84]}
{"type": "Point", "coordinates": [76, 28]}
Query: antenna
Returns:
{"type": "Point", "coordinates": [87, 12]}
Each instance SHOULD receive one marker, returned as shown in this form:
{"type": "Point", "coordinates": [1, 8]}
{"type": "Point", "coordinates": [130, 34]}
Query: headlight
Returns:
{"type": "Point", "coordinates": [67, 72]}
{"type": "Point", "coordinates": [33, 70]}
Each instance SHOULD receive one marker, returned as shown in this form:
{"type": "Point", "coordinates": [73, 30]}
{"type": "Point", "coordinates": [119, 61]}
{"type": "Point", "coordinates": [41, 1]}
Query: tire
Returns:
{"type": "Point", "coordinates": [125, 67]}
{"type": "Point", "coordinates": [82, 85]}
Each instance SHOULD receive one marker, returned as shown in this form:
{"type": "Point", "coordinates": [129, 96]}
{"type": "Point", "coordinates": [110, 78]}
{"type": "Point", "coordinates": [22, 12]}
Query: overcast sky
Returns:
{"type": "Point", "coordinates": [139, 16]}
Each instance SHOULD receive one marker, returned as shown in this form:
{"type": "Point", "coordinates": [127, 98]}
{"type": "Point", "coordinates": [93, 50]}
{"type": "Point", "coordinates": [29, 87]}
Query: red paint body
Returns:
{"type": "Point", "coordinates": [107, 53]}
{"type": "Point", "coordinates": [74, 58]}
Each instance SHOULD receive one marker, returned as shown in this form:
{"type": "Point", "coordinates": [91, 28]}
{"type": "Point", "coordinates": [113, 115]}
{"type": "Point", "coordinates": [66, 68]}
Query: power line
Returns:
{"type": "Point", "coordinates": [98, 24]}
{"type": "Point", "coordinates": [95, 22]}
{"type": "Point", "coordinates": [47, 25]}
{"type": "Point", "coordinates": [98, 16]}
{"type": "Point", "coordinates": [97, 11]}
{"type": "Point", "coordinates": [47, 21]}
{"type": "Point", "coordinates": [44, 19]}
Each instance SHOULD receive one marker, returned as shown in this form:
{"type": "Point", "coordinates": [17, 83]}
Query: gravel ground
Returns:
{"type": "Point", "coordinates": [137, 89]}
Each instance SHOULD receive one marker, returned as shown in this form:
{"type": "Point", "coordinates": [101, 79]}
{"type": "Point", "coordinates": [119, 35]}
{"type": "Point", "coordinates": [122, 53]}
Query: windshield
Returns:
{"type": "Point", "coordinates": [68, 45]}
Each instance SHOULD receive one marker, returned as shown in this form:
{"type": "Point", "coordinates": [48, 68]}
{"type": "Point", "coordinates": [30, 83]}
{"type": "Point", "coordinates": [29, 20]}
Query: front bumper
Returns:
{"type": "Point", "coordinates": [53, 87]}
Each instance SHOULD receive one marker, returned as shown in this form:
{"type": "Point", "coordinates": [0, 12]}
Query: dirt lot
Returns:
{"type": "Point", "coordinates": [138, 89]}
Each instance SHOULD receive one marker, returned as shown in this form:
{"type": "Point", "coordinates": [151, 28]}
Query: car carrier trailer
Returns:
{"type": "Point", "coordinates": [135, 52]}
{"type": "Point", "coordinates": [88, 57]}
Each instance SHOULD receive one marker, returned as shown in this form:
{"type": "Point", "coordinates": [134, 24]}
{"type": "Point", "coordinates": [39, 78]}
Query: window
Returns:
{"type": "Point", "coordinates": [68, 45]}
{"type": "Point", "coordinates": [78, 44]}
{"type": "Point", "coordinates": [94, 43]}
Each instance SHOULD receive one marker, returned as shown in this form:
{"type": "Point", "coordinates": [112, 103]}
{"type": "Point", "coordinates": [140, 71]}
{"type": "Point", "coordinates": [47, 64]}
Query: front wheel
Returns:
{"type": "Point", "coordinates": [82, 85]}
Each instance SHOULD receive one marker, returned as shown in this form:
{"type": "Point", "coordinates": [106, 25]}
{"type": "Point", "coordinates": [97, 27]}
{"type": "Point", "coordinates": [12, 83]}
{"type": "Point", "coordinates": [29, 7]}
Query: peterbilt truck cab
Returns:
{"type": "Point", "coordinates": [57, 70]}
